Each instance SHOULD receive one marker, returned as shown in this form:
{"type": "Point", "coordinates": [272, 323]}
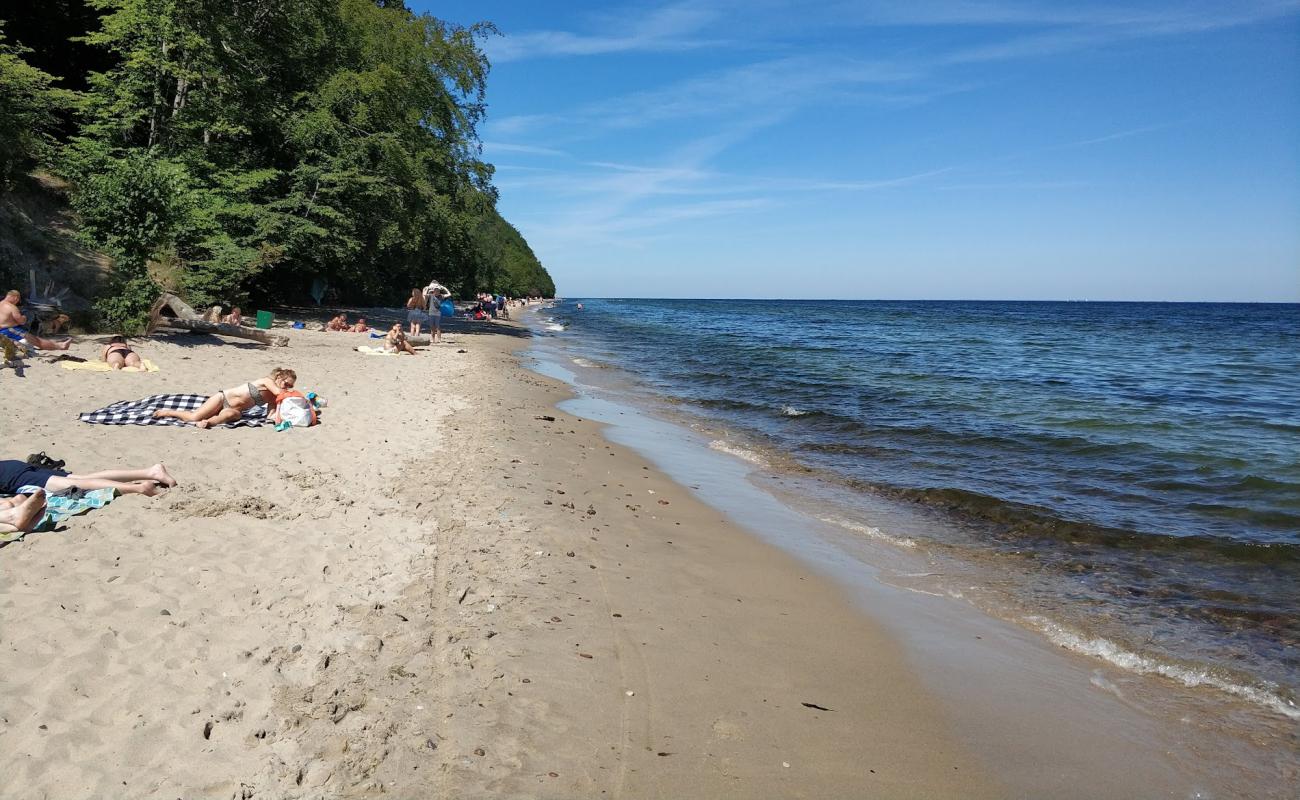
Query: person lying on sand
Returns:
{"type": "Point", "coordinates": [396, 340]}
{"type": "Point", "coordinates": [21, 513]}
{"type": "Point", "coordinates": [235, 317]}
{"type": "Point", "coordinates": [338, 323]}
{"type": "Point", "coordinates": [229, 405]}
{"type": "Point", "coordinates": [361, 326]}
{"type": "Point", "coordinates": [13, 325]}
{"type": "Point", "coordinates": [16, 474]}
{"type": "Point", "coordinates": [119, 354]}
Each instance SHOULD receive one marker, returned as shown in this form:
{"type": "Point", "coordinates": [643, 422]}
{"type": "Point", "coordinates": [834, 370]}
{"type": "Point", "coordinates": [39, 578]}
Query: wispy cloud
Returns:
{"type": "Point", "coordinates": [665, 29]}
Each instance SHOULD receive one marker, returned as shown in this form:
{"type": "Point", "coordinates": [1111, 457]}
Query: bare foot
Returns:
{"type": "Point", "coordinates": [151, 488]}
{"type": "Point", "coordinates": [159, 473]}
{"type": "Point", "coordinates": [30, 512]}
{"type": "Point", "coordinates": [203, 423]}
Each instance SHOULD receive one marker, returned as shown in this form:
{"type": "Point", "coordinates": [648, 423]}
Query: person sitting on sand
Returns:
{"type": "Point", "coordinates": [235, 317]}
{"type": "Point", "coordinates": [230, 405]}
{"type": "Point", "coordinates": [13, 325]}
{"type": "Point", "coordinates": [361, 326]}
{"type": "Point", "coordinates": [396, 341]}
{"type": "Point", "coordinates": [118, 354]}
{"type": "Point", "coordinates": [338, 323]}
{"type": "Point", "coordinates": [148, 481]}
{"type": "Point", "coordinates": [21, 513]}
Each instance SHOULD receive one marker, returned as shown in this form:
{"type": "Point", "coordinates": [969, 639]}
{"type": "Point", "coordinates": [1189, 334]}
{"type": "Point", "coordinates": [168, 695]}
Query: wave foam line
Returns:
{"type": "Point", "coordinates": [1113, 654]}
{"type": "Point", "coordinates": [738, 452]}
{"type": "Point", "coordinates": [870, 532]}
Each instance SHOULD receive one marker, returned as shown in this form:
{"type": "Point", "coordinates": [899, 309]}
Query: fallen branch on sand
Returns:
{"type": "Point", "coordinates": [187, 318]}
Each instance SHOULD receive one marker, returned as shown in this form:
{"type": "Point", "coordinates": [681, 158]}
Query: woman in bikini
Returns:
{"type": "Point", "coordinates": [230, 405]}
{"type": "Point", "coordinates": [119, 354]}
{"type": "Point", "coordinates": [396, 341]}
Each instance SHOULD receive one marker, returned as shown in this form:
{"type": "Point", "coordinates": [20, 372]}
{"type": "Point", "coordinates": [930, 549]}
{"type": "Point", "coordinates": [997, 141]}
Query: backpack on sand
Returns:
{"type": "Point", "coordinates": [294, 408]}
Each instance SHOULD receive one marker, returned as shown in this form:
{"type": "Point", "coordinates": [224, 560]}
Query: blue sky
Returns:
{"type": "Point", "coordinates": [859, 149]}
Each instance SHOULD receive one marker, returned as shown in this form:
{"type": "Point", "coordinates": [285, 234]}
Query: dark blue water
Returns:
{"type": "Point", "coordinates": [1149, 454]}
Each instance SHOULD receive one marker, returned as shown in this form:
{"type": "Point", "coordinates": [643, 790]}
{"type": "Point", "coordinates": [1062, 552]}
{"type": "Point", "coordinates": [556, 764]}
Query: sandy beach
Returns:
{"type": "Point", "coordinates": [448, 589]}
{"type": "Point", "coordinates": [434, 593]}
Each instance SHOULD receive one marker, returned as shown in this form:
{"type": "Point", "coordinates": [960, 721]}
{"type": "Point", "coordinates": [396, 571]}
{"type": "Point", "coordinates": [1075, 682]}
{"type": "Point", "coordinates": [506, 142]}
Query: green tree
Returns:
{"type": "Point", "coordinates": [29, 106]}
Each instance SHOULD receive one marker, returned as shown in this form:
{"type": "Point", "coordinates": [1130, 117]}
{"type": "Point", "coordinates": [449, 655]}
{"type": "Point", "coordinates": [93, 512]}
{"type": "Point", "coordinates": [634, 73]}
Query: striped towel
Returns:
{"type": "Point", "coordinates": [140, 412]}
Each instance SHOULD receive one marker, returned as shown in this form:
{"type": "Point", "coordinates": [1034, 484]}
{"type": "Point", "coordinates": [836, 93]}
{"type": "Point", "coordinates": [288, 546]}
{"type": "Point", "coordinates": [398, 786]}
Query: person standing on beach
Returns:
{"type": "Point", "coordinates": [415, 312]}
{"type": "Point", "coordinates": [434, 294]}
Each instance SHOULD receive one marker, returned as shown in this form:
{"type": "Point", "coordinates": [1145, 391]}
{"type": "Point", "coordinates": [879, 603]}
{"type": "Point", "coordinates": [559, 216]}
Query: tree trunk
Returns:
{"type": "Point", "coordinates": [189, 319]}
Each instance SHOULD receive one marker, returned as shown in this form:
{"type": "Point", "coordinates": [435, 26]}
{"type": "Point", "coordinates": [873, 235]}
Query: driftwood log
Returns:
{"type": "Point", "coordinates": [185, 317]}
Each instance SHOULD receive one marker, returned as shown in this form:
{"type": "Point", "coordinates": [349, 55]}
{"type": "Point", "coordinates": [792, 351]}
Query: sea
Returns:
{"type": "Point", "coordinates": [1122, 477]}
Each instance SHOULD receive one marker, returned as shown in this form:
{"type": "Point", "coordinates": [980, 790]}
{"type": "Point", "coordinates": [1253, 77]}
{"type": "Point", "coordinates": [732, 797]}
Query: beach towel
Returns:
{"type": "Point", "coordinates": [140, 412]}
{"type": "Point", "coordinates": [59, 507]}
{"type": "Point", "coordinates": [374, 351]}
{"type": "Point", "coordinates": [101, 366]}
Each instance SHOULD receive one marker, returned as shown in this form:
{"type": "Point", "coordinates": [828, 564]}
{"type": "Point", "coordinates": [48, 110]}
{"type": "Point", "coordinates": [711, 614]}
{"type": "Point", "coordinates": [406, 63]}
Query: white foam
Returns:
{"type": "Point", "coordinates": [553, 326]}
{"type": "Point", "coordinates": [582, 362]}
{"type": "Point", "coordinates": [791, 411]}
{"type": "Point", "coordinates": [871, 532]}
{"type": "Point", "coordinates": [738, 452]}
{"type": "Point", "coordinates": [1114, 654]}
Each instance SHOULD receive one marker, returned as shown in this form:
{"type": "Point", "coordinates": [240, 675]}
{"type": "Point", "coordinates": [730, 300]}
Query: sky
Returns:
{"type": "Point", "coordinates": [930, 149]}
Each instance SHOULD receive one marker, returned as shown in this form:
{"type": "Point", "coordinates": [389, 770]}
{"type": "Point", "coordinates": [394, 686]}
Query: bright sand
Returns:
{"type": "Point", "coordinates": [437, 594]}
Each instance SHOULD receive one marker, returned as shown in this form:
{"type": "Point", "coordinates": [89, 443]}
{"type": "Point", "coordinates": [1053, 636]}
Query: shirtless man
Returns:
{"type": "Point", "coordinates": [13, 325]}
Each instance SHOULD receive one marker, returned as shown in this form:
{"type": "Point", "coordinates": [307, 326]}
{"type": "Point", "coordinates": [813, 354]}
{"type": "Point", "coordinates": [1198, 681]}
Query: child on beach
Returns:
{"type": "Point", "coordinates": [230, 405]}
{"type": "Point", "coordinates": [396, 341]}
{"type": "Point", "coordinates": [118, 354]}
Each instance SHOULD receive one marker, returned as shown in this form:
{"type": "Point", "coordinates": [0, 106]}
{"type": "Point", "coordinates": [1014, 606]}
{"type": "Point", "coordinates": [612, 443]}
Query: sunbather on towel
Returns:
{"type": "Point", "coordinates": [396, 340]}
{"type": "Point", "coordinates": [21, 513]}
{"type": "Point", "coordinates": [118, 353]}
{"type": "Point", "coordinates": [13, 325]}
{"type": "Point", "coordinates": [229, 405]}
{"type": "Point", "coordinates": [150, 481]}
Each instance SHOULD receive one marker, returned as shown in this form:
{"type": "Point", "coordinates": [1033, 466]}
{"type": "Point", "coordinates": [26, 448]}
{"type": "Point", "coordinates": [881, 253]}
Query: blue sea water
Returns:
{"type": "Point", "coordinates": [1146, 455]}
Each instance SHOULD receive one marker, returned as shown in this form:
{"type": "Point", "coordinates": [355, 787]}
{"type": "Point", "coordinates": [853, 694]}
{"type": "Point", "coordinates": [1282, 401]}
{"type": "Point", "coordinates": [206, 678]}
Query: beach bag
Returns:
{"type": "Point", "coordinates": [294, 408]}
{"type": "Point", "coordinates": [447, 308]}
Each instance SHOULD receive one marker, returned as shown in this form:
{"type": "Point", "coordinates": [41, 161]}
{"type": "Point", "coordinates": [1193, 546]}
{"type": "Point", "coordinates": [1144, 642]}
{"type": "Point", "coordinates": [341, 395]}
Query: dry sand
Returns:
{"type": "Point", "coordinates": [433, 594]}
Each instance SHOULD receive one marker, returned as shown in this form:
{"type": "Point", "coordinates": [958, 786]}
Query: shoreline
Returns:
{"type": "Point", "coordinates": [376, 613]}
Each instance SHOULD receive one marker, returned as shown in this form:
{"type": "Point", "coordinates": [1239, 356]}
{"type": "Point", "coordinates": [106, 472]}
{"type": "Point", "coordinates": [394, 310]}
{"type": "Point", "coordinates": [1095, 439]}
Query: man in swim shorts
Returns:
{"type": "Point", "coordinates": [13, 325]}
{"type": "Point", "coordinates": [148, 482]}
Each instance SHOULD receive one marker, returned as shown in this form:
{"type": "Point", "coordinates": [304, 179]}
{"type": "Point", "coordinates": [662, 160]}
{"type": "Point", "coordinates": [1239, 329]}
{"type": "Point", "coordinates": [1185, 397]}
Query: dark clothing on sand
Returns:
{"type": "Point", "coordinates": [14, 474]}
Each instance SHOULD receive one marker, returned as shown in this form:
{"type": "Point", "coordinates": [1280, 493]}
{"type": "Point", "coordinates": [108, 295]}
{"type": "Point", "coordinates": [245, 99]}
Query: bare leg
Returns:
{"type": "Point", "coordinates": [145, 487]}
{"type": "Point", "coordinates": [22, 515]}
{"type": "Point", "coordinates": [210, 407]}
{"type": "Point", "coordinates": [133, 360]}
{"type": "Point", "coordinates": [157, 473]}
{"type": "Point", "coordinates": [115, 360]}
{"type": "Point", "coordinates": [222, 417]}
{"type": "Point", "coordinates": [47, 344]}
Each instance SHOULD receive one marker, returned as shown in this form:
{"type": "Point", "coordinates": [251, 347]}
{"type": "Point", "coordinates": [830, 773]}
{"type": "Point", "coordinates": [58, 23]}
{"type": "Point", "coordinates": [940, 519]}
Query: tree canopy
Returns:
{"type": "Point", "coordinates": [237, 149]}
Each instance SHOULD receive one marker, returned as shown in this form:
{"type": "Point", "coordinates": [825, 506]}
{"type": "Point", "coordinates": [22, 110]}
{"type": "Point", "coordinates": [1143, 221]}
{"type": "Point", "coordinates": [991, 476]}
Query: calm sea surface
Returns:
{"type": "Point", "coordinates": [1141, 460]}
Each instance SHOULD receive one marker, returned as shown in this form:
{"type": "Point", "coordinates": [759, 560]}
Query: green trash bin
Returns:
{"type": "Point", "coordinates": [264, 319]}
